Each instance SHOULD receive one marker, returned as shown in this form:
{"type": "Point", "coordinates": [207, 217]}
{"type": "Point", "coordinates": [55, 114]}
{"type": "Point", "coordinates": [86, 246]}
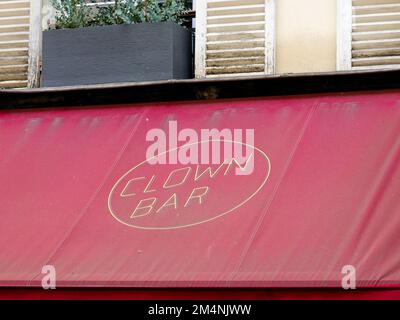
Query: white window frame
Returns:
{"type": "Point", "coordinates": [270, 36]}
{"type": "Point", "coordinates": [344, 29]}
{"type": "Point", "coordinates": [35, 43]}
{"type": "Point", "coordinates": [201, 37]}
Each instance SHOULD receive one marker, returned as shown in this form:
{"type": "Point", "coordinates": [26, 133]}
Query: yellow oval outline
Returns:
{"type": "Point", "coordinates": [197, 223]}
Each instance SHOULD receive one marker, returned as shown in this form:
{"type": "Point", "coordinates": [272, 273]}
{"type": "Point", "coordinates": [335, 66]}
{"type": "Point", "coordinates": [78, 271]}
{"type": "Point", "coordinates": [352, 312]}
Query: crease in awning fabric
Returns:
{"type": "Point", "coordinates": [264, 211]}
{"type": "Point", "coordinates": [118, 156]}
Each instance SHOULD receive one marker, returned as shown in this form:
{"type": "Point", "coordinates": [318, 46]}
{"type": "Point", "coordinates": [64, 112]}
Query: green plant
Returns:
{"type": "Point", "coordinates": [72, 13]}
{"type": "Point", "coordinates": [77, 13]}
{"type": "Point", "coordinates": [119, 13]}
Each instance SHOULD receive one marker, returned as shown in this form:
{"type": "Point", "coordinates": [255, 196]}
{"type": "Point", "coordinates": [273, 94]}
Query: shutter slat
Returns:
{"type": "Point", "coordinates": [378, 67]}
{"type": "Point", "coordinates": [14, 21]}
{"type": "Point", "coordinates": [236, 28]}
{"type": "Point", "coordinates": [5, 13]}
{"type": "Point", "coordinates": [377, 17]}
{"type": "Point", "coordinates": [376, 52]}
{"type": "Point", "coordinates": [372, 2]}
{"type": "Point", "coordinates": [14, 84]}
{"type": "Point", "coordinates": [14, 4]}
{"type": "Point", "coordinates": [13, 69]}
{"type": "Point", "coordinates": [236, 18]}
{"type": "Point", "coordinates": [235, 54]}
{"type": "Point", "coordinates": [377, 8]}
{"type": "Point", "coordinates": [372, 26]}
{"type": "Point", "coordinates": [232, 3]}
{"type": "Point", "coordinates": [14, 52]}
{"type": "Point", "coordinates": [14, 28]}
{"type": "Point", "coordinates": [371, 44]}
{"type": "Point", "coordinates": [235, 45]}
{"type": "Point", "coordinates": [376, 61]}
{"type": "Point", "coordinates": [235, 69]}
{"type": "Point", "coordinates": [13, 77]}
{"type": "Point", "coordinates": [12, 36]}
{"type": "Point", "coordinates": [234, 62]}
{"type": "Point", "coordinates": [220, 37]}
{"type": "Point", "coordinates": [14, 44]}
{"type": "Point", "coordinates": [235, 10]}
{"type": "Point", "coordinates": [6, 61]}
{"type": "Point", "coordinates": [376, 35]}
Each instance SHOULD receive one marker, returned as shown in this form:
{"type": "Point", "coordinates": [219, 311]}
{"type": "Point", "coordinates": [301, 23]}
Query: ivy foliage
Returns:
{"type": "Point", "coordinates": [72, 14]}
{"type": "Point", "coordinates": [78, 13]}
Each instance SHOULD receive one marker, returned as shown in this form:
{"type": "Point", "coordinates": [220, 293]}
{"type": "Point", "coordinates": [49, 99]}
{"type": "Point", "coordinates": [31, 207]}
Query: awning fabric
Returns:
{"type": "Point", "coordinates": [324, 194]}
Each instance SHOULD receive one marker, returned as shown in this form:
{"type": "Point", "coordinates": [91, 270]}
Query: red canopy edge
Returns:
{"type": "Point", "coordinates": [197, 294]}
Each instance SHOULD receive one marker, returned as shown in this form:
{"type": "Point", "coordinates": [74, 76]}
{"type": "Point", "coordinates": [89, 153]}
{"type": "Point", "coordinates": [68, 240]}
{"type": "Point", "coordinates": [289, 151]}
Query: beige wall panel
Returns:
{"type": "Point", "coordinates": [306, 36]}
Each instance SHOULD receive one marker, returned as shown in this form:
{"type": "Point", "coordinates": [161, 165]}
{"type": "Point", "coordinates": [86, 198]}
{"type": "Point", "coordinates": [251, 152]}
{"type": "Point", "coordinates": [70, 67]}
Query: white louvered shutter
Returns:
{"type": "Point", "coordinates": [234, 37]}
{"type": "Point", "coordinates": [369, 34]}
{"type": "Point", "coordinates": [14, 43]}
{"type": "Point", "coordinates": [19, 48]}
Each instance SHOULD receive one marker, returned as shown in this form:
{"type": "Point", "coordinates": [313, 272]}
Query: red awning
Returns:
{"type": "Point", "coordinates": [324, 193]}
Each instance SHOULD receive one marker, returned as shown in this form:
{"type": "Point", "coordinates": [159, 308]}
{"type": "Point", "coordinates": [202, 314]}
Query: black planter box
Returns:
{"type": "Point", "coordinates": [119, 53]}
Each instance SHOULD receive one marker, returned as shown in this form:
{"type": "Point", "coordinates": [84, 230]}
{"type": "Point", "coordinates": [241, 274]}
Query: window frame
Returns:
{"type": "Point", "coordinates": [35, 44]}
{"type": "Point", "coordinates": [344, 30]}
